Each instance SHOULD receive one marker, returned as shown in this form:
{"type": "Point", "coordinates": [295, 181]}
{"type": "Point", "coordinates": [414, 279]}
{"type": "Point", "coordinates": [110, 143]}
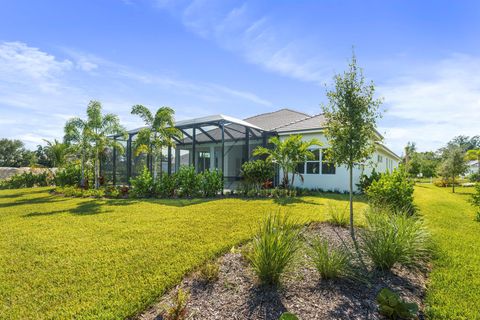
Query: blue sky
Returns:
{"type": "Point", "coordinates": [238, 58]}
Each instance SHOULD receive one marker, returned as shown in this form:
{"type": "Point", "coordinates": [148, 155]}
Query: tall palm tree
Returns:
{"type": "Point", "coordinates": [287, 154]}
{"type": "Point", "coordinates": [56, 151]}
{"type": "Point", "coordinates": [77, 138]}
{"type": "Point", "coordinates": [100, 128]}
{"type": "Point", "coordinates": [159, 133]}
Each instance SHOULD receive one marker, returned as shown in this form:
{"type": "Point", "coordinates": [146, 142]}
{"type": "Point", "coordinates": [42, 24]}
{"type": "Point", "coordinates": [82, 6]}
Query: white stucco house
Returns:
{"type": "Point", "coordinates": [225, 143]}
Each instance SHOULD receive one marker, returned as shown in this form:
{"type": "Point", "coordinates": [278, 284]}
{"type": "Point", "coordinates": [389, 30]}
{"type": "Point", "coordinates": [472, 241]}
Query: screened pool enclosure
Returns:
{"type": "Point", "coordinates": [208, 143]}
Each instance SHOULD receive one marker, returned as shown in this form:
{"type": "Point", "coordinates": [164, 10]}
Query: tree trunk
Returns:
{"type": "Point", "coordinates": [82, 179]}
{"type": "Point", "coordinates": [352, 230]}
{"type": "Point", "coordinates": [154, 164]}
{"type": "Point", "coordinates": [453, 184]}
{"type": "Point", "coordinates": [161, 162]}
{"type": "Point", "coordinates": [97, 169]}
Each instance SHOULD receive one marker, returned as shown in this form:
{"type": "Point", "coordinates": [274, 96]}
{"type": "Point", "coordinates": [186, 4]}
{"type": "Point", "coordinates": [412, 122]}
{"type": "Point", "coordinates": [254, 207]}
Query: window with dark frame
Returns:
{"type": "Point", "coordinates": [313, 165]}
{"type": "Point", "coordinates": [328, 167]}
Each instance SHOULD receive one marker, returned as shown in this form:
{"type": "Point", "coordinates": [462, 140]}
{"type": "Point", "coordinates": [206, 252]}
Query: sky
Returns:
{"type": "Point", "coordinates": [238, 58]}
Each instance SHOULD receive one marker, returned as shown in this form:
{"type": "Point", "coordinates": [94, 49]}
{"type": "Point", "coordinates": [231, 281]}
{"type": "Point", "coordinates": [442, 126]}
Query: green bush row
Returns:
{"type": "Point", "coordinates": [184, 183]}
{"type": "Point", "coordinates": [28, 180]}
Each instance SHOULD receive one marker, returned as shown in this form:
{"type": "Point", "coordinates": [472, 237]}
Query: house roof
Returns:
{"type": "Point", "coordinates": [209, 120]}
{"type": "Point", "coordinates": [266, 122]}
{"type": "Point", "coordinates": [271, 121]}
{"type": "Point", "coordinates": [282, 121]}
{"type": "Point", "coordinates": [309, 123]}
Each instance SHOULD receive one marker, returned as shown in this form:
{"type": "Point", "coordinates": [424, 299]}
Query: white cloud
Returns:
{"type": "Point", "coordinates": [235, 26]}
{"type": "Point", "coordinates": [435, 102]}
{"type": "Point", "coordinates": [38, 91]}
{"type": "Point", "coordinates": [20, 64]}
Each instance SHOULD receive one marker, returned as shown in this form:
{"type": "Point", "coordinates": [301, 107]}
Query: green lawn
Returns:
{"type": "Point", "coordinates": [107, 259]}
{"type": "Point", "coordinates": [454, 285]}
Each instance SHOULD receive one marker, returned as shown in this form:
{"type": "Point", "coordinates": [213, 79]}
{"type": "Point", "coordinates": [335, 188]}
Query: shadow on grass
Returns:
{"type": "Point", "coordinates": [86, 208]}
{"type": "Point", "coordinates": [177, 202]}
{"type": "Point", "coordinates": [290, 201]}
{"type": "Point", "coordinates": [24, 192]}
{"type": "Point", "coordinates": [33, 201]}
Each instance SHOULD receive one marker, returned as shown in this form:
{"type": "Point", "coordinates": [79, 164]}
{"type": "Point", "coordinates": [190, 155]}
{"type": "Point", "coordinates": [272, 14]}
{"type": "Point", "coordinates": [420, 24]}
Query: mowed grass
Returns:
{"type": "Point", "coordinates": [63, 258]}
{"type": "Point", "coordinates": [454, 285]}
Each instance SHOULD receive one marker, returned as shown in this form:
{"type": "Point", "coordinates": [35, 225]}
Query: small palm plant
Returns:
{"type": "Point", "coordinates": [274, 248]}
{"type": "Point", "coordinates": [159, 133]}
{"type": "Point", "coordinates": [287, 154]}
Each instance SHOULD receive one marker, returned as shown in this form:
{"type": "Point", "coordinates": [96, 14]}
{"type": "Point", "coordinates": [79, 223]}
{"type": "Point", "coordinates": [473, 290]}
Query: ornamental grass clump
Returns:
{"type": "Point", "coordinates": [389, 239]}
{"type": "Point", "coordinates": [338, 216]}
{"type": "Point", "coordinates": [274, 248]}
{"type": "Point", "coordinates": [329, 262]}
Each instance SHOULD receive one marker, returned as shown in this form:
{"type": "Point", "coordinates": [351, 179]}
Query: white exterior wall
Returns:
{"type": "Point", "coordinates": [340, 180]}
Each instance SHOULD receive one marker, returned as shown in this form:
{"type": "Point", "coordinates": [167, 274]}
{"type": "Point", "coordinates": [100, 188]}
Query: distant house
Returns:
{"type": "Point", "coordinates": [225, 143]}
{"type": "Point", "coordinates": [472, 167]}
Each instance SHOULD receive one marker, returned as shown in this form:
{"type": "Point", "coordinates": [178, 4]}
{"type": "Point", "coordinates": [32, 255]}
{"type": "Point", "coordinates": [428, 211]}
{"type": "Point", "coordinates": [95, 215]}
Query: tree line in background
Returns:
{"type": "Point", "coordinates": [458, 157]}
{"type": "Point", "coordinates": [14, 154]}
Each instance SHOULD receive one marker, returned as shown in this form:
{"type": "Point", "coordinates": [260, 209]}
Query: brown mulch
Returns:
{"type": "Point", "coordinates": [237, 294]}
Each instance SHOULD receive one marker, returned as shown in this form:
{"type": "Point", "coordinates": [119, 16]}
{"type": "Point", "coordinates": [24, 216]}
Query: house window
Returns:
{"type": "Point", "coordinates": [313, 165]}
{"type": "Point", "coordinates": [328, 167]}
{"type": "Point", "coordinates": [380, 158]}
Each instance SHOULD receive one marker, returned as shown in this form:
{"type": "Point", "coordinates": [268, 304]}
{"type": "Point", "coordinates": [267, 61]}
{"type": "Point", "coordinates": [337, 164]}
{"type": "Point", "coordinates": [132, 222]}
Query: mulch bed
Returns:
{"type": "Point", "coordinates": [237, 294]}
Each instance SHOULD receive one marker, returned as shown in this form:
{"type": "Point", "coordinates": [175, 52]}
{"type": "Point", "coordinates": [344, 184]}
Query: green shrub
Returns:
{"type": "Point", "coordinates": [283, 193]}
{"type": "Point", "coordinates": [393, 191]}
{"type": "Point", "coordinates": [211, 183]}
{"type": "Point", "coordinates": [142, 185]}
{"type": "Point", "coordinates": [391, 306]}
{"type": "Point", "coordinates": [112, 192]}
{"type": "Point", "coordinates": [366, 181]}
{"type": "Point", "coordinates": [166, 185]}
{"type": "Point", "coordinates": [27, 180]}
{"type": "Point", "coordinates": [209, 272]}
{"type": "Point", "coordinates": [257, 173]}
{"type": "Point", "coordinates": [70, 175]}
{"type": "Point", "coordinates": [288, 316]}
{"type": "Point", "coordinates": [395, 238]}
{"type": "Point", "coordinates": [476, 196]}
{"type": "Point", "coordinates": [188, 182]}
{"type": "Point", "coordinates": [274, 248]}
{"type": "Point", "coordinates": [338, 216]}
{"type": "Point", "coordinates": [69, 191]}
{"type": "Point", "coordinates": [329, 262]}
{"type": "Point", "coordinates": [474, 177]}
{"type": "Point", "coordinates": [177, 310]}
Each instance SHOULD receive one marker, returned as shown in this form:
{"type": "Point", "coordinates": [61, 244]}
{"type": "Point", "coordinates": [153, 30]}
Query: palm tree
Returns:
{"type": "Point", "coordinates": [77, 139]}
{"type": "Point", "coordinates": [474, 154]}
{"type": "Point", "coordinates": [100, 128]}
{"type": "Point", "coordinates": [56, 151]}
{"type": "Point", "coordinates": [287, 154]}
{"type": "Point", "coordinates": [159, 133]}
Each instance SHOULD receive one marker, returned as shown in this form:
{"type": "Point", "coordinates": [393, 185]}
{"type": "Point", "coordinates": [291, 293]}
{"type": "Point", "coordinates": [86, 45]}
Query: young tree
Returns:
{"type": "Point", "coordinates": [351, 117]}
{"type": "Point", "coordinates": [159, 133]}
{"type": "Point", "coordinates": [287, 154]}
{"type": "Point", "coordinates": [453, 163]}
{"type": "Point", "coordinates": [411, 160]}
